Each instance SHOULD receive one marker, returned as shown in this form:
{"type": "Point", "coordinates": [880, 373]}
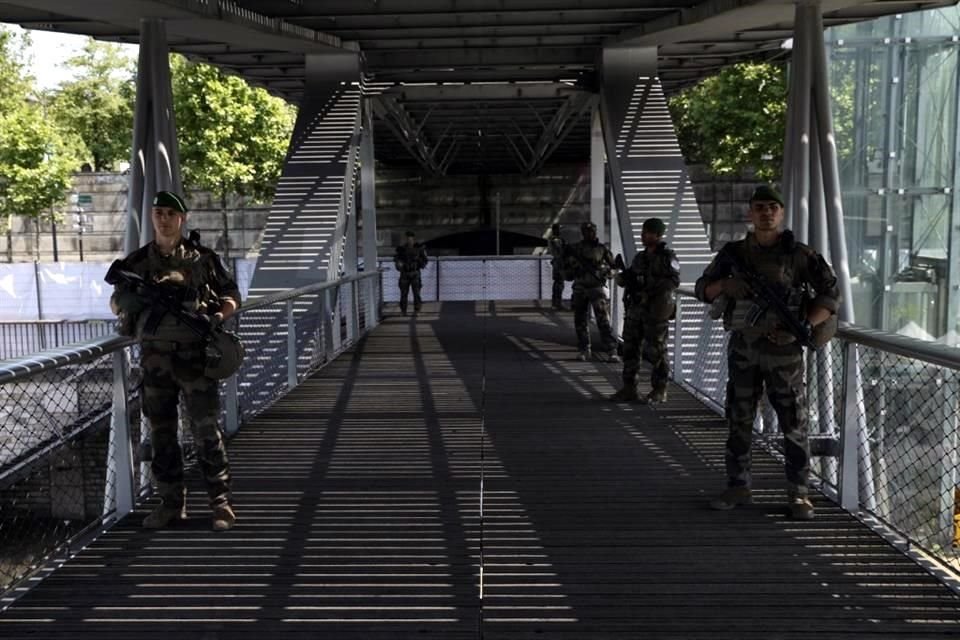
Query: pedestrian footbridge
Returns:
{"type": "Point", "coordinates": [459, 474]}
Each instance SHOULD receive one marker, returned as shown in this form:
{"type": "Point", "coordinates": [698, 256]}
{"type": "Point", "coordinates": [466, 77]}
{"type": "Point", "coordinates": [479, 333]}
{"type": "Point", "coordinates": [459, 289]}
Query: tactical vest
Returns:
{"type": "Point", "coordinates": [190, 275]}
{"type": "Point", "coordinates": [782, 267]}
{"type": "Point", "coordinates": [588, 265]}
{"type": "Point", "coordinates": [643, 283]}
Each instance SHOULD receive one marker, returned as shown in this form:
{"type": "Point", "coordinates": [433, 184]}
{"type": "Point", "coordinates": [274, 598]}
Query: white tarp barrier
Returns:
{"type": "Point", "coordinates": [71, 290]}
{"type": "Point", "coordinates": [74, 291]}
{"type": "Point", "coordinates": [18, 292]}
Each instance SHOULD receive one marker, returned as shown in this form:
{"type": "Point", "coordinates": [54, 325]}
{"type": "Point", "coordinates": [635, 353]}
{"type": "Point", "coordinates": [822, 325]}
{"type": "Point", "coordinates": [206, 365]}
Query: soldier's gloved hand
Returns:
{"type": "Point", "coordinates": [735, 287]}
{"type": "Point", "coordinates": [216, 320]}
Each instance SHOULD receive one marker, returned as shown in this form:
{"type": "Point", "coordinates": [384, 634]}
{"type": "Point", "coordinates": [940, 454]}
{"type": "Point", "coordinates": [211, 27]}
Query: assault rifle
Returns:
{"type": "Point", "coordinates": [158, 297]}
{"type": "Point", "coordinates": [582, 268]}
{"type": "Point", "coordinates": [769, 299]}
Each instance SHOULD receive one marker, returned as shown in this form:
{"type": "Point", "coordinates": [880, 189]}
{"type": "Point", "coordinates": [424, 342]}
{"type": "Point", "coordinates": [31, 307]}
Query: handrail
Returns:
{"type": "Point", "coordinates": [274, 298]}
{"type": "Point", "coordinates": [929, 352]}
{"type": "Point", "coordinates": [18, 368]}
{"type": "Point", "coordinates": [24, 367]}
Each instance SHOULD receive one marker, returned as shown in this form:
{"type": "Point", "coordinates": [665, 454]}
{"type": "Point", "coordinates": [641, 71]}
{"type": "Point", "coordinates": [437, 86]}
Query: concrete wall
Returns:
{"type": "Point", "coordinates": [430, 206]}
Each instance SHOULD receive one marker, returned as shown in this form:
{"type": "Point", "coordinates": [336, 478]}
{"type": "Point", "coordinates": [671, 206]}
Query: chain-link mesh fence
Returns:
{"type": "Point", "coordinates": [54, 451]}
{"type": "Point", "coordinates": [909, 449]}
{"type": "Point", "coordinates": [60, 471]}
{"type": "Point", "coordinates": [903, 414]}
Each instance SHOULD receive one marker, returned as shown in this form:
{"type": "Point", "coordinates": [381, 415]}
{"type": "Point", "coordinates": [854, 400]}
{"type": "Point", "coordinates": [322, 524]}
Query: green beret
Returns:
{"type": "Point", "coordinates": [654, 225]}
{"type": "Point", "coordinates": [169, 199]}
{"type": "Point", "coordinates": [766, 193]}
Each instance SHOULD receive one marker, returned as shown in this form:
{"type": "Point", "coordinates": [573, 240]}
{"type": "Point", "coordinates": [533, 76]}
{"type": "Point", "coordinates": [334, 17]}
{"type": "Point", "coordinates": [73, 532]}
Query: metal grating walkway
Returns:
{"type": "Point", "coordinates": [359, 499]}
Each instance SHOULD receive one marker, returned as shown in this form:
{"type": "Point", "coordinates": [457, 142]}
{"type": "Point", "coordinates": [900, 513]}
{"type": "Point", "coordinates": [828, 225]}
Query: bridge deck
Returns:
{"type": "Point", "coordinates": [359, 501]}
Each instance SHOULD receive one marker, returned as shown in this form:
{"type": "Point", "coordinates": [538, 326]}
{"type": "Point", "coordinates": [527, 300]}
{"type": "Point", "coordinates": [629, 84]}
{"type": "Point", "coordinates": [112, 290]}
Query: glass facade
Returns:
{"type": "Point", "coordinates": [894, 85]}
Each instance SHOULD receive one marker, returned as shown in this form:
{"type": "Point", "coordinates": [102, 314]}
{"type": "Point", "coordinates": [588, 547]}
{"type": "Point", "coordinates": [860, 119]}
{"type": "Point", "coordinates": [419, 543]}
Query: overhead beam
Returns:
{"type": "Point", "coordinates": [407, 130]}
{"type": "Point", "coordinates": [474, 92]}
{"type": "Point", "coordinates": [454, 58]}
{"type": "Point", "coordinates": [557, 129]}
{"type": "Point", "coordinates": [713, 17]}
{"type": "Point", "coordinates": [196, 19]}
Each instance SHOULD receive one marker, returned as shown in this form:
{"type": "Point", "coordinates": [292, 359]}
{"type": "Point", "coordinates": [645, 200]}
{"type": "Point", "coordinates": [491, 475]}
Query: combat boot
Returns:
{"type": "Point", "coordinates": [731, 498]}
{"type": "Point", "coordinates": [584, 355]}
{"type": "Point", "coordinates": [801, 508]}
{"type": "Point", "coordinates": [657, 396]}
{"type": "Point", "coordinates": [627, 394]}
{"type": "Point", "coordinates": [164, 515]}
{"type": "Point", "coordinates": [613, 356]}
{"type": "Point", "coordinates": [223, 517]}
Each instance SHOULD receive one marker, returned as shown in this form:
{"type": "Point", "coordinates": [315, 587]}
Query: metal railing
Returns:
{"type": "Point", "coordinates": [890, 403]}
{"type": "Point", "coordinates": [69, 423]}
{"type": "Point", "coordinates": [70, 419]}
{"type": "Point", "coordinates": [23, 338]}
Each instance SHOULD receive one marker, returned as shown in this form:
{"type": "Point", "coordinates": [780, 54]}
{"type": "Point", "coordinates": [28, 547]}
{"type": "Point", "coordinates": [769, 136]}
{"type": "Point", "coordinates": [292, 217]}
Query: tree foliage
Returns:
{"type": "Point", "coordinates": [98, 103]}
{"type": "Point", "coordinates": [735, 121]}
{"type": "Point", "coordinates": [232, 137]}
{"type": "Point", "coordinates": [37, 159]}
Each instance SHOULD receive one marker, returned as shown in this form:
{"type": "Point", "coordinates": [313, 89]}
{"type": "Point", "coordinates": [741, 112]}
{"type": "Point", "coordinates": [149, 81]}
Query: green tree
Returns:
{"type": "Point", "coordinates": [232, 137]}
{"type": "Point", "coordinates": [735, 121]}
{"type": "Point", "coordinates": [37, 159]}
{"type": "Point", "coordinates": [98, 103]}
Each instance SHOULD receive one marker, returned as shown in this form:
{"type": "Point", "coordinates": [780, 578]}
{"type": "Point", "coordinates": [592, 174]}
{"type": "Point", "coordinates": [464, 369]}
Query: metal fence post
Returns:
{"type": "Point", "coordinates": [849, 438]}
{"type": "Point", "coordinates": [232, 396]}
{"type": "Point", "coordinates": [291, 347]}
{"type": "Point", "coordinates": [119, 492]}
{"type": "Point", "coordinates": [678, 342]}
{"type": "Point", "coordinates": [354, 310]}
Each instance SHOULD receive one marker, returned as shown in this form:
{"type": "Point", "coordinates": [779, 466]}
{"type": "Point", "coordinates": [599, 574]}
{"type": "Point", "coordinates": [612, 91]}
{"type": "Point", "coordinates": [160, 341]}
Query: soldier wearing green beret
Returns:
{"type": "Point", "coordinates": [173, 358]}
{"type": "Point", "coordinates": [648, 286]}
{"type": "Point", "coordinates": [761, 354]}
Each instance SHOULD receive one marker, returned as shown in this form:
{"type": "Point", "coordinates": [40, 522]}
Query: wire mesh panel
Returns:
{"type": "Point", "coordinates": [428, 278]}
{"type": "Point", "coordinates": [911, 410]}
{"type": "Point", "coordinates": [702, 365]}
{"type": "Point", "coordinates": [54, 432]}
{"type": "Point", "coordinates": [462, 280]}
{"type": "Point", "coordinates": [515, 279]}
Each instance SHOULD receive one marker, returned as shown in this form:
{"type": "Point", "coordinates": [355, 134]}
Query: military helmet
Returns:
{"type": "Point", "coordinates": [224, 354]}
{"type": "Point", "coordinates": [654, 225]}
{"type": "Point", "coordinates": [588, 226]}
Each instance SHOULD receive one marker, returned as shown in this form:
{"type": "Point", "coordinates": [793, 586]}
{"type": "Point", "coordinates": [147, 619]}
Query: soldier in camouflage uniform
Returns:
{"type": "Point", "coordinates": [589, 264]}
{"type": "Point", "coordinates": [648, 286]}
{"type": "Point", "coordinates": [173, 359]}
{"type": "Point", "coordinates": [557, 246]}
{"type": "Point", "coordinates": [761, 353]}
{"type": "Point", "coordinates": [409, 259]}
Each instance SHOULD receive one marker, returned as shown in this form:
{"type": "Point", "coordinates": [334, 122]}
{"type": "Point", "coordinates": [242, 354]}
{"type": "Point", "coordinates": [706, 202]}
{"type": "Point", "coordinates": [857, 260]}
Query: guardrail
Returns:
{"type": "Point", "coordinates": [891, 403]}
{"type": "Point", "coordinates": [23, 338]}
{"type": "Point", "coordinates": [70, 419]}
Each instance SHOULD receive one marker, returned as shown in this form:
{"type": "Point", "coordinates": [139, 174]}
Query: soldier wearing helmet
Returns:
{"type": "Point", "coordinates": [589, 264]}
{"type": "Point", "coordinates": [175, 359]}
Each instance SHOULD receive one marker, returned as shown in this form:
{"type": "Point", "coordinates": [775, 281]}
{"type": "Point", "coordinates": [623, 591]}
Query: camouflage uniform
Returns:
{"type": "Point", "coordinates": [409, 261]}
{"type": "Point", "coordinates": [648, 285]}
{"type": "Point", "coordinates": [557, 247]}
{"type": "Point", "coordinates": [754, 360]}
{"type": "Point", "coordinates": [589, 264]}
{"type": "Point", "coordinates": [172, 361]}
